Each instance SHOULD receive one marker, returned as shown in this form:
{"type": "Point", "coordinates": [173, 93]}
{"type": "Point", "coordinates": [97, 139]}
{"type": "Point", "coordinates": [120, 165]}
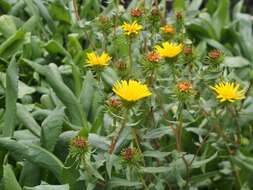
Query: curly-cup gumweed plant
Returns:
{"type": "Point", "coordinates": [125, 95]}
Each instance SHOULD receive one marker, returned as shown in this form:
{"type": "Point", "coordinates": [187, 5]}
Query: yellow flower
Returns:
{"type": "Point", "coordinates": [131, 90]}
{"type": "Point", "coordinates": [228, 91]}
{"type": "Point", "coordinates": [95, 60]}
{"type": "Point", "coordinates": [131, 28]}
{"type": "Point", "coordinates": [168, 29]}
{"type": "Point", "coordinates": [169, 50]}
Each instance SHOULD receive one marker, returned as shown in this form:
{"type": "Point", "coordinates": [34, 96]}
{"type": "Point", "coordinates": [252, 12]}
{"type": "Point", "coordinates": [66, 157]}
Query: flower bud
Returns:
{"type": "Point", "coordinates": [78, 148]}
{"type": "Point", "coordinates": [136, 12]}
{"type": "Point", "coordinates": [184, 86]}
{"type": "Point", "coordinates": [188, 51]}
{"type": "Point", "coordinates": [131, 157]}
{"type": "Point", "coordinates": [179, 16]}
{"type": "Point", "coordinates": [120, 65]}
{"type": "Point", "coordinates": [103, 19]}
{"type": "Point", "coordinates": [153, 57]}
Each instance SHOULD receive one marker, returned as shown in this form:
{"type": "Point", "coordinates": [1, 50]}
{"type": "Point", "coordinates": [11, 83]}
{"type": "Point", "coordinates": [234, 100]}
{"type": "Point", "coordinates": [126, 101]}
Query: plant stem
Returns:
{"type": "Point", "coordinates": [116, 137]}
{"type": "Point", "coordinates": [76, 10]}
{"type": "Point", "coordinates": [135, 138]}
{"type": "Point", "coordinates": [143, 182]}
{"type": "Point", "coordinates": [130, 57]}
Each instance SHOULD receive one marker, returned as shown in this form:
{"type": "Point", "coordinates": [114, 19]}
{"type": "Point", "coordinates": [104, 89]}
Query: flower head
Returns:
{"type": "Point", "coordinates": [228, 91]}
{"type": "Point", "coordinates": [98, 61]}
{"type": "Point", "coordinates": [131, 90]}
{"type": "Point", "coordinates": [131, 29]}
{"type": "Point", "coordinates": [169, 50]}
{"type": "Point", "coordinates": [168, 29]}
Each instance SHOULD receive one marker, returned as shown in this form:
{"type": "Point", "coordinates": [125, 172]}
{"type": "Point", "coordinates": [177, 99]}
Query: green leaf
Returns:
{"type": "Point", "coordinates": [155, 169]}
{"type": "Point", "coordinates": [9, 179]}
{"type": "Point", "coordinates": [179, 5]}
{"type": "Point", "coordinates": [12, 44]}
{"type": "Point", "coordinates": [195, 5]}
{"type": "Point", "coordinates": [110, 160]}
{"type": "Point", "coordinates": [119, 182]}
{"type": "Point", "coordinates": [235, 62]}
{"type": "Point", "coordinates": [45, 14]}
{"type": "Point", "coordinates": [54, 47]}
{"type": "Point", "coordinates": [7, 25]}
{"type": "Point", "coordinates": [34, 154]}
{"type": "Point", "coordinates": [243, 161]}
{"type": "Point", "coordinates": [11, 98]}
{"type": "Point", "coordinates": [27, 119]}
{"type": "Point", "coordinates": [48, 187]}
{"type": "Point", "coordinates": [58, 12]}
{"type": "Point", "coordinates": [199, 163]}
{"type": "Point", "coordinates": [51, 128]}
{"type": "Point", "coordinates": [87, 92]}
{"type": "Point", "coordinates": [26, 179]}
{"type": "Point", "coordinates": [221, 16]}
{"type": "Point", "coordinates": [74, 110]}
{"type": "Point", "coordinates": [158, 133]}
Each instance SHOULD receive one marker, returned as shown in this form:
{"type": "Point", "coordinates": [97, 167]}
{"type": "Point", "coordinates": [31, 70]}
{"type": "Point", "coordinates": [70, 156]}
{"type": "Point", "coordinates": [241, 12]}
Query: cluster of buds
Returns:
{"type": "Point", "coordinates": [153, 57]}
{"type": "Point", "coordinates": [215, 56]}
{"type": "Point", "coordinates": [78, 148]}
{"type": "Point", "coordinates": [136, 13]}
{"type": "Point", "coordinates": [131, 157]}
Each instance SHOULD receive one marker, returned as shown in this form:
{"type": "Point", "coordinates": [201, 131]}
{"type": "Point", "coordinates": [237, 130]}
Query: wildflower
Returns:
{"type": "Point", "coordinates": [131, 90]}
{"type": "Point", "coordinates": [79, 147]}
{"type": "Point", "coordinates": [168, 29]}
{"type": "Point", "coordinates": [131, 156]}
{"type": "Point", "coordinates": [153, 57]}
{"type": "Point", "coordinates": [228, 91]}
{"type": "Point", "coordinates": [169, 50]}
{"type": "Point", "coordinates": [136, 12]}
{"type": "Point", "coordinates": [131, 29]}
{"type": "Point", "coordinates": [184, 86]}
{"type": "Point", "coordinates": [95, 60]}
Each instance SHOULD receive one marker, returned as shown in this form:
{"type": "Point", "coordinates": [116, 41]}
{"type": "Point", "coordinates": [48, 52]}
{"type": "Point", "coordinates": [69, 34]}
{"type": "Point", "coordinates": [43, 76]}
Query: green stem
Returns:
{"type": "Point", "coordinates": [116, 137]}
{"type": "Point", "coordinates": [143, 182]}
{"type": "Point", "coordinates": [130, 57]}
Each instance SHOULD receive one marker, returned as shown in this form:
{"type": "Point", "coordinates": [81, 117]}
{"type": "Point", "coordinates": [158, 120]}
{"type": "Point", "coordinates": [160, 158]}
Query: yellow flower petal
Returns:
{"type": "Point", "coordinates": [227, 91]}
{"type": "Point", "coordinates": [169, 50]}
{"type": "Point", "coordinates": [131, 28]}
{"type": "Point", "coordinates": [95, 60]}
{"type": "Point", "coordinates": [131, 90]}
